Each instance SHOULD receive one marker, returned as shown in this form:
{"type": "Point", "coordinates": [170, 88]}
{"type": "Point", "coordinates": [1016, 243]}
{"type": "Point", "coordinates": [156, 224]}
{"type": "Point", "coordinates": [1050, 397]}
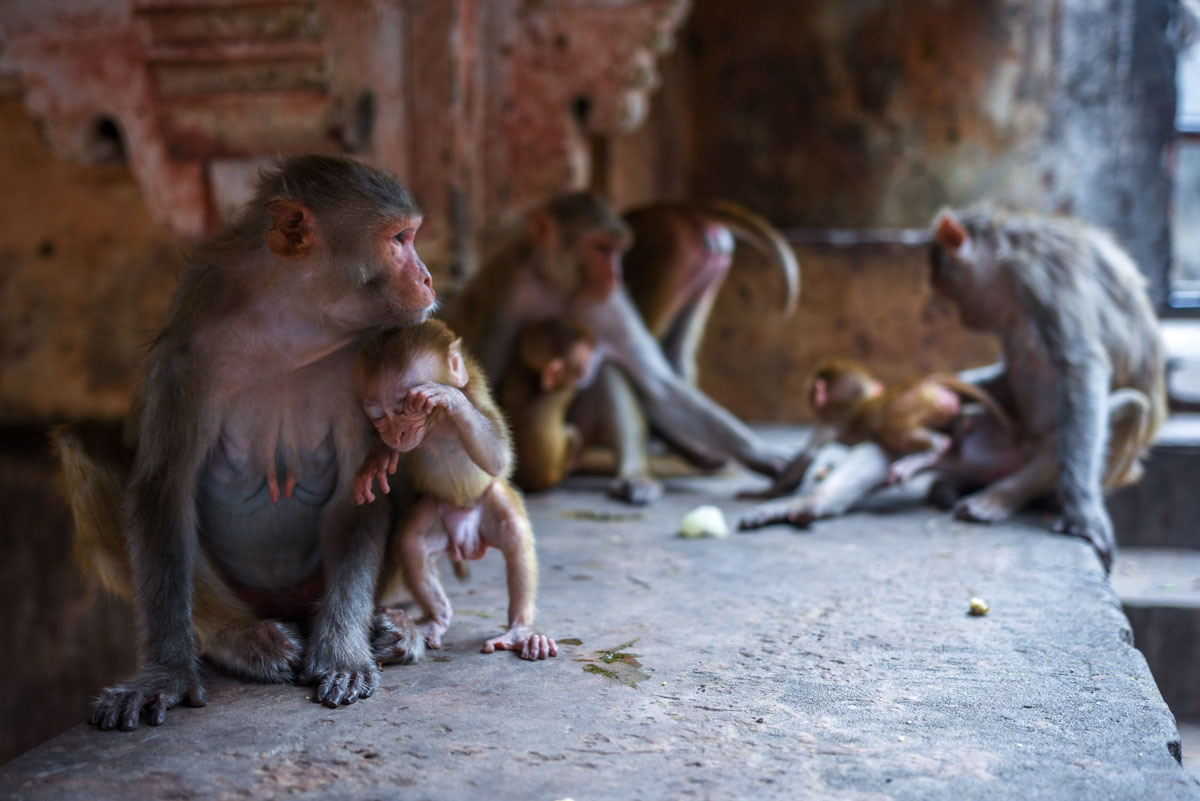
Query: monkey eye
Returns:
{"type": "Point", "coordinates": [404, 236]}
{"type": "Point", "coordinates": [373, 412]}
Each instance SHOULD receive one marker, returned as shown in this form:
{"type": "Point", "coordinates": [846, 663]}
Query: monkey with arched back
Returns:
{"type": "Point", "coordinates": [252, 376]}
{"type": "Point", "coordinates": [1081, 355]}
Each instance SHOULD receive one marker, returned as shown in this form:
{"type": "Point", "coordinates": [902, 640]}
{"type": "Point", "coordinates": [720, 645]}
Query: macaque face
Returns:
{"type": "Point", "coordinates": [403, 281]}
{"type": "Point", "coordinates": [599, 256]}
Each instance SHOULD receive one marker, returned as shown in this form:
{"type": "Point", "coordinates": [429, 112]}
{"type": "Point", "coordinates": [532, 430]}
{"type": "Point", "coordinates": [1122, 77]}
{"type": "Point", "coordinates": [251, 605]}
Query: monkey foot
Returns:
{"type": "Point", "coordinates": [800, 517]}
{"type": "Point", "coordinates": [984, 507]}
{"type": "Point", "coordinates": [431, 633]}
{"type": "Point", "coordinates": [1095, 532]}
{"type": "Point", "coordinates": [943, 495]}
{"type": "Point", "coordinates": [773, 491]}
{"type": "Point", "coordinates": [268, 652]}
{"type": "Point", "coordinates": [395, 639]}
{"type": "Point", "coordinates": [636, 490]}
{"type": "Point", "coordinates": [150, 693]}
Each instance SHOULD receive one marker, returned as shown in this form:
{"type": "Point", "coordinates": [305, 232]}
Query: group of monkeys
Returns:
{"type": "Point", "coordinates": [299, 367]}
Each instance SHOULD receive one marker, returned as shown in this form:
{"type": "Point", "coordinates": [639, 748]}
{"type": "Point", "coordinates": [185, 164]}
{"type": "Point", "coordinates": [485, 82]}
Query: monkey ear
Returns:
{"type": "Point", "coordinates": [820, 393]}
{"type": "Point", "coordinates": [457, 364]}
{"type": "Point", "coordinates": [294, 232]}
{"type": "Point", "coordinates": [541, 229]}
{"type": "Point", "coordinates": [949, 232]}
{"type": "Point", "coordinates": [553, 374]}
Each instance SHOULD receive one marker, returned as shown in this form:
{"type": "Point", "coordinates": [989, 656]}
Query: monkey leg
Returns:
{"type": "Point", "coordinates": [904, 468]}
{"type": "Point", "coordinates": [505, 526]}
{"type": "Point", "coordinates": [864, 469]}
{"type": "Point", "coordinates": [681, 340]}
{"type": "Point", "coordinates": [422, 540]}
{"type": "Point", "coordinates": [619, 417]}
{"type": "Point", "coordinates": [95, 471]}
{"type": "Point", "coordinates": [1003, 498]}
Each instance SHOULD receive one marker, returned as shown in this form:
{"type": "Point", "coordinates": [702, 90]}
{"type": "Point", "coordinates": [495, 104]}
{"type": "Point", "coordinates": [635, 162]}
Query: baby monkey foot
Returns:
{"type": "Point", "coordinates": [432, 631]}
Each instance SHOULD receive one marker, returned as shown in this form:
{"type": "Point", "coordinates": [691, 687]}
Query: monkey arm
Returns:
{"type": "Point", "coordinates": [625, 424]}
{"type": "Point", "coordinates": [485, 440]}
{"type": "Point", "coordinates": [340, 660]}
{"type": "Point", "coordinates": [793, 473]}
{"type": "Point", "coordinates": [1085, 377]}
{"type": "Point", "coordinates": [162, 540]}
{"type": "Point", "coordinates": [680, 410]}
{"type": "Point", "coordinates": [380, 463]}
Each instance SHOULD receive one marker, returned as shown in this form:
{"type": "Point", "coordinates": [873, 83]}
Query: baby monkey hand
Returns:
{"type": "Point", "coordinates": [380, 463]}
{"type": "Point", "coordinates": [521, 638]}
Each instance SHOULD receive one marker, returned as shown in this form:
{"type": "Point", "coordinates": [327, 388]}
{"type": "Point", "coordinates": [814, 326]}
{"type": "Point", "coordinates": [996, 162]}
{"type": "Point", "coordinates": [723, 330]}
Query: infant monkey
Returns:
{"type": "Point", "coordinates": [429, 400]}
{"type": "Point", "coordinates": [554, 355]}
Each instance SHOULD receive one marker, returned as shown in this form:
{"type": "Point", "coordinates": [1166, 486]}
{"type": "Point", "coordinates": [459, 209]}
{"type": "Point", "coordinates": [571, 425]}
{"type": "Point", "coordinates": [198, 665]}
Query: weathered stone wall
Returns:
{"type": "Point", "coordinates": [85, 277]}
{"type": "Point", "coordinates": [870, 303]}
{"type": "Point", "coordinates": [820, 113]}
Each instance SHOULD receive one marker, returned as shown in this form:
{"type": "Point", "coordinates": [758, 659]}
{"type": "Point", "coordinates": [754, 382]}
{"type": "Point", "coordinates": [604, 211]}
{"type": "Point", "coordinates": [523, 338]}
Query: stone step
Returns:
{"type": "Point", "coordinates": [1164, 509]}
{"type": "Point", "coordinates": [1160, 591]}
{"type": "Point", "coordinates": [835, 663]}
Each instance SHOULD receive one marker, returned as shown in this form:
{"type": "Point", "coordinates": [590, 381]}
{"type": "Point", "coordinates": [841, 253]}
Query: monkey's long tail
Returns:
{"type": "Point", "coordinates": [95, 466]}
{"type": "Point", "coordinates": [975, 393]}
{"type": "Point", "coordinates": [763, 237]}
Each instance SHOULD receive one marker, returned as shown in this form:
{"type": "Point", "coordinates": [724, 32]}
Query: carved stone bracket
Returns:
{"type": "Point", "coordinates": [483, 107]}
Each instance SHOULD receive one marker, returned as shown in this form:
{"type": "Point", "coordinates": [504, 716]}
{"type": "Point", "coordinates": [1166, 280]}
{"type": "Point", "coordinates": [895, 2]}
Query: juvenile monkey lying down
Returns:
{"type": "Point", "coordinates": [894, 433]}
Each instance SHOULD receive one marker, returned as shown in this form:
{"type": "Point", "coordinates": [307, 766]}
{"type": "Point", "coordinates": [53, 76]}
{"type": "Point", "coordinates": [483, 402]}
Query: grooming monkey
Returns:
{"type": "Point", "coordinates": [251, 375]}
{"type": "Point", "coordinates": [568, 264]}
{"type": "Point", "coordinates": [554, 356]}
{"type": "Point", "coordinates": [894, 432]}
{"type": "Point", "coordinates": [430, 401]}
{"type": "Point", "coordinates": [1082, 357]}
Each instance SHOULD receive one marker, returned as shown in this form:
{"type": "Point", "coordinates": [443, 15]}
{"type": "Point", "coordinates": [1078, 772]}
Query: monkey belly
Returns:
{"type": "Point", "coordinates": [260, 544]}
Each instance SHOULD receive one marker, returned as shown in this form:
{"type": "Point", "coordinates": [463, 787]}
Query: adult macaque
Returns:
{"type": "Point", "coordinates": [894, 433]}
{"type": "Point", "coordinates": [430, 401]}
{"type": "Point", "coordinates": [1081, 355]}
{"type": "Point", "coordinates": [252, 376]}
{"type": "Point", "coordinates": [568, 264]}
{"type": "Point", "coordinates": [554, 355]}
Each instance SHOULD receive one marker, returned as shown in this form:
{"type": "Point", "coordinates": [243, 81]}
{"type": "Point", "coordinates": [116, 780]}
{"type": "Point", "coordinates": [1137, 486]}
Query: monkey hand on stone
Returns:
{"type": "Point", "coordinates": [154, 690]}
{"type": "Point", "coordinates": [1093, 524]}
{"type": "Point", "coordinates": [522, 638]}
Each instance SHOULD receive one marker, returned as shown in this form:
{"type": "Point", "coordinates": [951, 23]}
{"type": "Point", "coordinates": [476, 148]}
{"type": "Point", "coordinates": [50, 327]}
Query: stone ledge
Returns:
{"type": "Point", "coordinates": [839, 663]}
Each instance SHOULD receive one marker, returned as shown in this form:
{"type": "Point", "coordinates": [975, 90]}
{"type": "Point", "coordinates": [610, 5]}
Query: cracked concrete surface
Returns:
{"type": "Point", "coordinates": [835, 664]}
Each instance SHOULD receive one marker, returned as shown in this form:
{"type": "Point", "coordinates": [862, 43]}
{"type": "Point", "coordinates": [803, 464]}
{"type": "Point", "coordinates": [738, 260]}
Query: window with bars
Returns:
{"type": "Point", "coordinates": [1185, 218]}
